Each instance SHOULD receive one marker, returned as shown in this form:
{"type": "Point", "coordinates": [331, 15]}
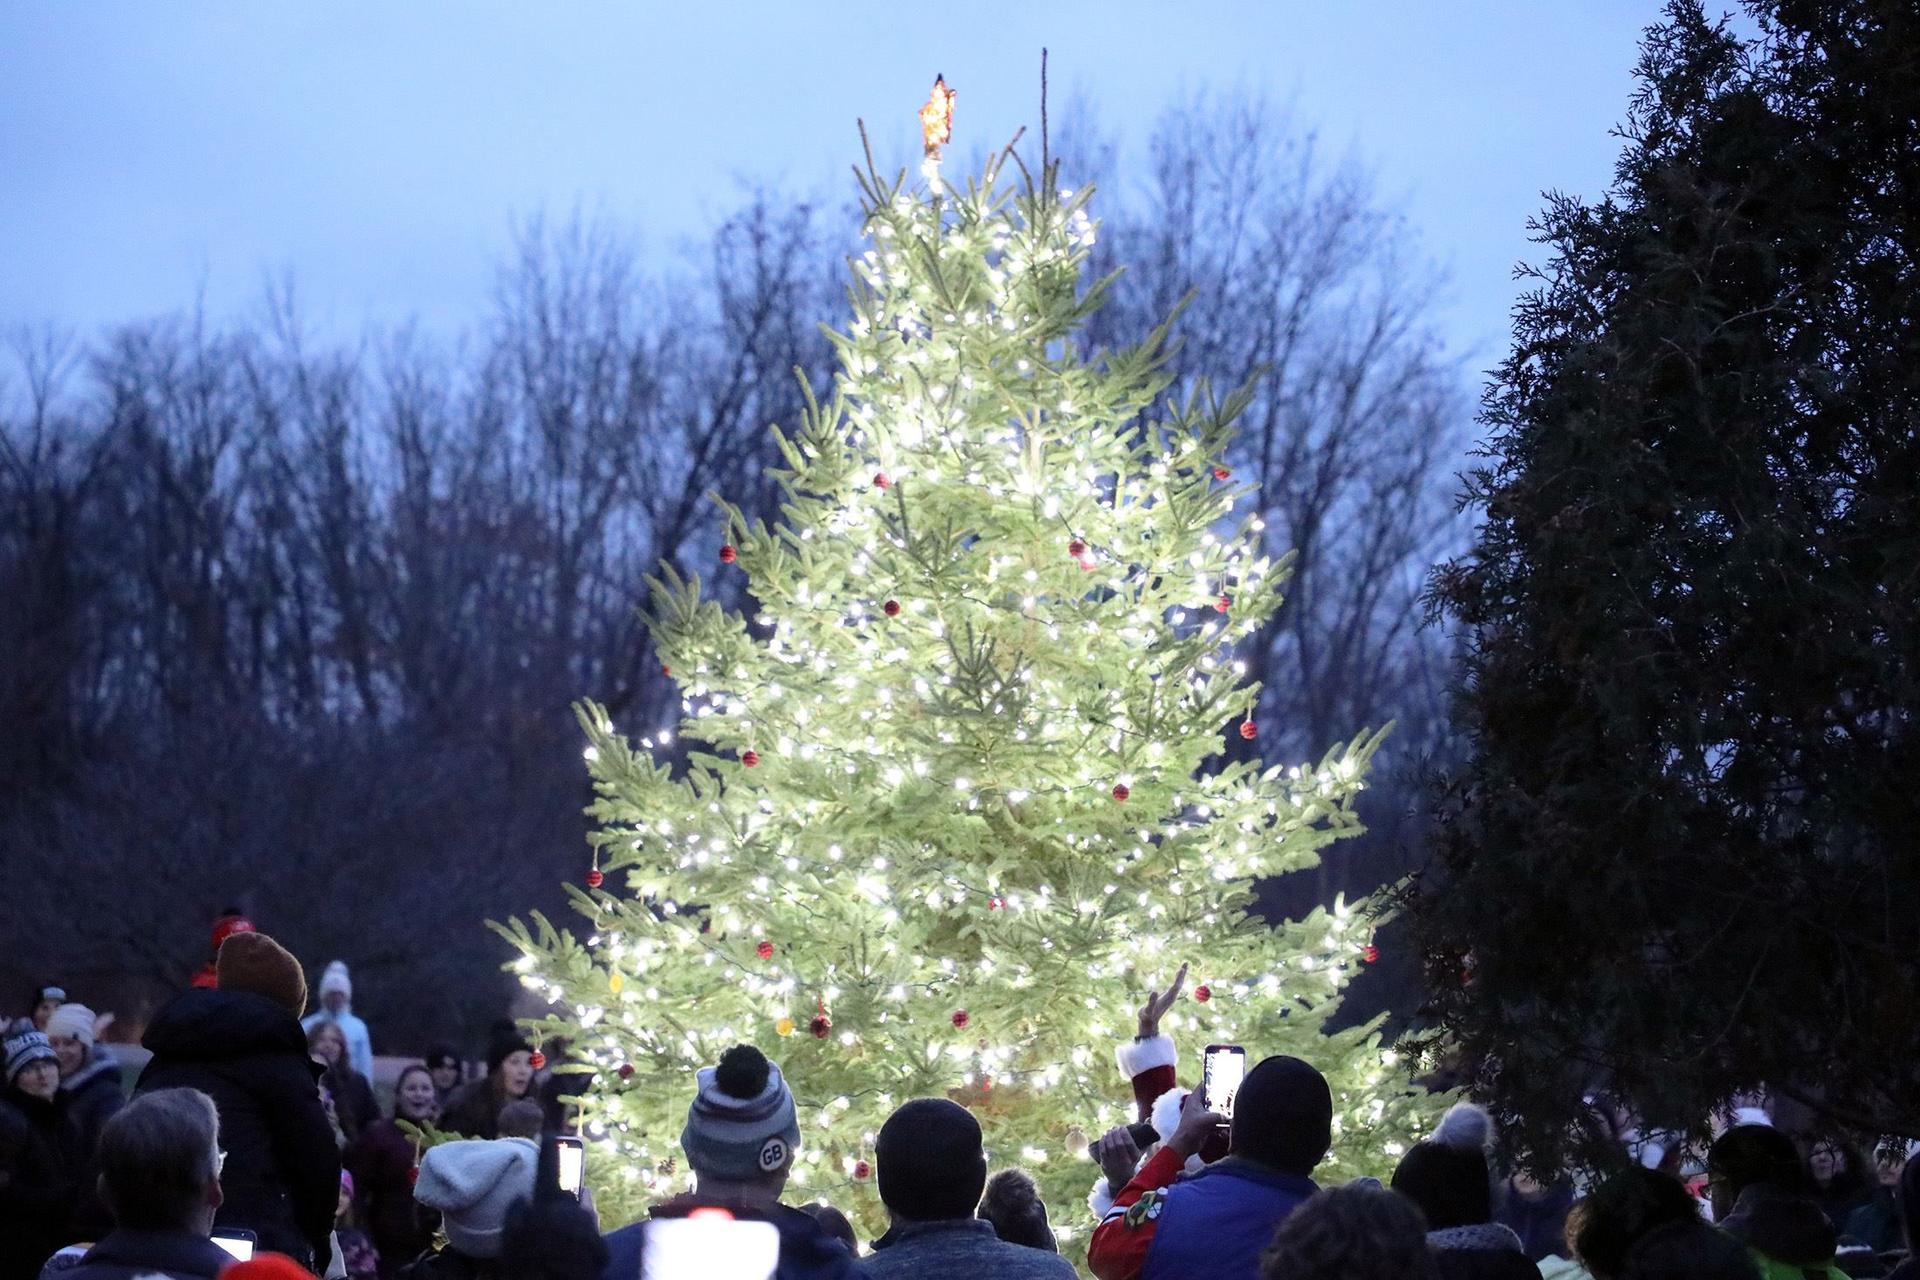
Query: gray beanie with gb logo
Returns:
{"type": "Point", "coordinates": [742, 1124]}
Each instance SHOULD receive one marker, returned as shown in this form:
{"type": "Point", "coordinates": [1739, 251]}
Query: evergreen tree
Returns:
{"type": "Point", "coordinates": [1682, 858]}
{"type": "Point", "coordinates": [954, 794]}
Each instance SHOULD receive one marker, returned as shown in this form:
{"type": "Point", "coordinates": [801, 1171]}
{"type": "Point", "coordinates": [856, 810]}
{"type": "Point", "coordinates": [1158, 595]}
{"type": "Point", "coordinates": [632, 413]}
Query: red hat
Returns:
{"type": "Point", "coordinates": [228, 925]}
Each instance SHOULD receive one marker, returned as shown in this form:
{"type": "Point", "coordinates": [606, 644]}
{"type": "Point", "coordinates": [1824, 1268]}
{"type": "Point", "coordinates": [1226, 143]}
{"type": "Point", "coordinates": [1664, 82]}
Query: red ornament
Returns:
{"type": "Point", "coordinates": [820, 1025]}
{"type": "Point", "coordinates": [881, 480]}
{"type": "Point", "coordinates": [729, 553]}
{"type": "Point", "coordinates": [1247, 730]}
{"type": "Point", "coordinates": [626, 1071]}
{"type": "Point", "coordinates": [536, 1059]}
{"type": "Point", "coordinates": [960, 1019]}
{"type": "Point", "coordinates": [665, 670]}
{"type": "Point", "coordinates": [1221, 473]}
{"type": "Point", "coordinates": [1120, 792]}
{"type": "Point", "coordinates": [1076, 548]}
{"type": "Point", "coordinates": [764, 950]}
{"type": "Point", "coordinates": [995, 903]}
{"type": "Point", "coordinates": [413, 1175]}
{"type": "Point", "coordinates": [749, 758]}
{"type": "Point", "coordinates": [1369, 953]}
{"type": "Point", "coordinates": [1223, 604]}
{"type": "Point", "coordinates": [595, 878]}
{"type": "Point", "coordinates": [862, 1170]}
{"type": "Point", "coordinates": [891, 608]}
{"type": "Point", "coordinates": [1203, 993]}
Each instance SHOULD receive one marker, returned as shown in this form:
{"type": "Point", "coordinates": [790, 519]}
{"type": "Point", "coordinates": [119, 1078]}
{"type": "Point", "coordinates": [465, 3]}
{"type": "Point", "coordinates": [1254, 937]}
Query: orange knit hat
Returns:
{"type": "Point", "coordinates": [254, 962]}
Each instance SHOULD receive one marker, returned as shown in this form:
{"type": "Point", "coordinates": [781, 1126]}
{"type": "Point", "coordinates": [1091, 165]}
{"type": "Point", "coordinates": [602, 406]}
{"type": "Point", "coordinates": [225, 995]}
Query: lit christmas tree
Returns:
{"type": "Point", "coordinates": [954, 795]}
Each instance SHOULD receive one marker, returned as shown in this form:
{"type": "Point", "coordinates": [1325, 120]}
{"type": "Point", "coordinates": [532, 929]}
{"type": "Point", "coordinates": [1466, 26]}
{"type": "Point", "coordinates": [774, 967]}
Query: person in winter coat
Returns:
{"type": "Point", "coordinates": [353, 1104]}
{"type": "Point", "coordinates": [1219, 1221]}
{"type": "Point", "coordinates": [1688, 1251]}
{"type": "Point", "coordinates": [474, 1108]}
{"type": "Point", "coordinates": [37, 1184]}
{"type": "Point", "coordinates": [160, 1172]}
{"type": "Point", "coordinates": [443, 1060]}
{"type": "Point", "coordinates": [1763, 1197]}
{"type": "Point", "coordinates": [741, 1138]}
{"type": "Point", "coordinates": [90, 1095]}
{"type": "Point", "coordinates": [932, 1169]}
{"type": "Point", "coordinates": [44, 1001]}
{"type": "Point", "coordinates": [1447, 1177]}
{"type": "Point", "coordinates": [1909, 1193]}
{"type": "Point", "coordinates": [382, 1162]}
{"type": "Point", "coordinates": [336, 1006]}
{"type": "Point", "coordinates": [473, 1184]}
{"type": "Point", "coordinates": [89, 1074]}
{"type": "Point", "coordinates": [1879, 1223]}
{"type": "Point", "coordinates": [241, 1044]}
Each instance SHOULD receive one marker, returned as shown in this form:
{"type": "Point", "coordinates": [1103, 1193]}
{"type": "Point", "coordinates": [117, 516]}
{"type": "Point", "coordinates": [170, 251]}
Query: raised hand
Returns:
{"type": "Point", "coordinates": [1118, 1155]}
{"type": "Point", "coordinates": [1158, 1002]}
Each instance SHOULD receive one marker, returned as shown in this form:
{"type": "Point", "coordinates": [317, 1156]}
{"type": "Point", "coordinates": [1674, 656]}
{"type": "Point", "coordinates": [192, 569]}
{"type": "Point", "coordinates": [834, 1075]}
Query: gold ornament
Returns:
{"type": "Point", "coordinates": [615, 982]}
{"type": "Point", "coordinates": [784, 1027]}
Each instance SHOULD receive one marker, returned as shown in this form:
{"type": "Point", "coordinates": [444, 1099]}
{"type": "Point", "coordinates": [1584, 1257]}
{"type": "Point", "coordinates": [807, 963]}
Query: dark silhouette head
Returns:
{"type": "Point", "coordinates": [1013, 1205]}
{"type": "Point", "coordinates": [1283, 1115]}
{"type": "Point", "coordinates": [1689, 1251]}
{"type": "Point", "coordinates": [1621, 1210]}
{"type": "Point", "coordinates": [931, 1162]}
{"type": "Point", "coordinates": [1356, 1232]}
{"type": "Point", "coordinates": [1751, 1155]}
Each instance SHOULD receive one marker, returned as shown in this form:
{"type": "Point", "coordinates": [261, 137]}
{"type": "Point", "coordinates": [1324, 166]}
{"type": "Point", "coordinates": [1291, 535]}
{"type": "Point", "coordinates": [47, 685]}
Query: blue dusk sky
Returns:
{"type": "Point", "coordinates": [381, 153]}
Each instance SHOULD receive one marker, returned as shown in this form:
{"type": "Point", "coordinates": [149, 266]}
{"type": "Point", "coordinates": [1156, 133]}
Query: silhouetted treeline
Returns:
{"type": "Point", "coordinates": [296, 627]}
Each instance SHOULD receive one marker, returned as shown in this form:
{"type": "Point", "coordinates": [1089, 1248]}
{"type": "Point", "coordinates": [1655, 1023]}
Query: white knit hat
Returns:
{"type": "Point", "coordinates": [335, 978]}
{"type": "Point", "coordinates": [473, 1183]}
{"type": "Point", "coordinates": [74, 1020]}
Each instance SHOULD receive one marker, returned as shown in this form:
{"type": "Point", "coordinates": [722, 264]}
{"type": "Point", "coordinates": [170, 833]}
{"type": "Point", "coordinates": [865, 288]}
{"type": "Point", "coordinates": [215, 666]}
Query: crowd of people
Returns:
{"type": "Point", "coordinates": [255, 1120]}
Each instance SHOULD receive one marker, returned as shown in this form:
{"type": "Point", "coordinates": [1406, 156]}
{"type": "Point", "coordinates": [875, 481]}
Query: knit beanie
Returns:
{"type": "Point", "coordinates": [742, 1124]}
{"type": "Point", "coordinates": [256, 963]}
{"type": "Point", "coordinates": [26, 1048]}
{"type": "Point", "coordinates": [1283, 1115]}
{"type": "Point", "coordinates": [473, 1183]}
{"type": "Point", "coordinates": [1447, 1174]}
{"type": "Point", "coordinates": [74, 1020]}
{"type": "Point", "coordinates": [932, 1165]}
{"type": "Point", "coordinates": [505, 1041]}
{"type": "Point", "coordinates": [335, 978]}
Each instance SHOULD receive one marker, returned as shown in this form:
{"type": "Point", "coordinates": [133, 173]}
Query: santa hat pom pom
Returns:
{"type": "Point", "coordinates": [1465, 1127]}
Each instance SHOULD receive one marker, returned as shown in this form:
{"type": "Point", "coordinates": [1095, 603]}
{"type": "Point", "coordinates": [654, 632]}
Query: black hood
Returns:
{"type": "Point", "coordinates": [1789, 1228]}
{"type": "Point", "coordinates": [210, 1023]}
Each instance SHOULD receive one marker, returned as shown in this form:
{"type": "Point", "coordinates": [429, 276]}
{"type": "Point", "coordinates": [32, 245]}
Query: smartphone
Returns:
{"type": "Point", "coordinates": [709, 1244]}
{"type": "Point", "coordinates": [573, 1163]}
{"type": "Point", "coordinates": [1220, 1074]}
{"type": "Point", "coordinates": [236, 1242]}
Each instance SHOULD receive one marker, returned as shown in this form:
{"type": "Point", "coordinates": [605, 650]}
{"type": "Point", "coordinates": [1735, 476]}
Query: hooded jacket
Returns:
{"type": "Point", "coordinates": [282, 1173]}
{"type": "Point", "coordinates": [1788, 1235]}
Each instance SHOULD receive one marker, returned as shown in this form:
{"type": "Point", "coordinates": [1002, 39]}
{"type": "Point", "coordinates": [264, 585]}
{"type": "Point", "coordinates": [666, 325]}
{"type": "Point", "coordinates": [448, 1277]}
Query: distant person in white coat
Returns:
{"type": "Point", "coordinates": [336, 1006]}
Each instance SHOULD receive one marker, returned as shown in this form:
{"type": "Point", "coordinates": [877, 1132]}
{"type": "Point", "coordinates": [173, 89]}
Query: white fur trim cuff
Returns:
{"type": "Point", "coordinates": [1100, 1199]}
{"type": "Point", "coordinates": [1136, 1056]}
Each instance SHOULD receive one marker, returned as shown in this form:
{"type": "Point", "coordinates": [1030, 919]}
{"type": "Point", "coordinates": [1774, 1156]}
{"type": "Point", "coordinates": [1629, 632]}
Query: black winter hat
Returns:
{"type": "Point", "coordinates": [504, 1042]}
{"type": "Point", "coordinates": [932, 1163]}
{"type": "Point", "coordinates": [1283, 1115]}
{"type": "Point", "coordinates": [1447, 1174]}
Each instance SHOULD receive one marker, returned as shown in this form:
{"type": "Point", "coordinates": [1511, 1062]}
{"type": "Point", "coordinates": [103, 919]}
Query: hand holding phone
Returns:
{"type": "Point", "coordinates": [1197, 1124]}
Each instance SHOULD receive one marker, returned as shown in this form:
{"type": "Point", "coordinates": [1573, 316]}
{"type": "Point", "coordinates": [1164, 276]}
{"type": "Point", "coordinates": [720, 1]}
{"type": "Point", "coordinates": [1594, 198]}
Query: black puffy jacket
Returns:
{"type": "Point", "coordinates": [281, 1178]}
{"type": "Point", "coordinates": [37, 1184]}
